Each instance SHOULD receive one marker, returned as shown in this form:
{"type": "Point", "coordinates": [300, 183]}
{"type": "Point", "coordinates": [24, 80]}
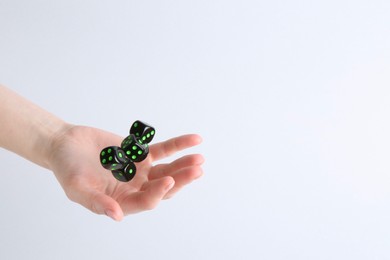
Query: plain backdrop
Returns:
{"type": "Point", "coordinates": [291, 98]}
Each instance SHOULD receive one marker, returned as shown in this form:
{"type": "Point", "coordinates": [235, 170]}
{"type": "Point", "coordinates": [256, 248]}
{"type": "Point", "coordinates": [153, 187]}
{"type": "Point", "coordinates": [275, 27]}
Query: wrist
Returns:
{"type": "Point", "coordinates": [27, 129]}
{"type": "Point", "coordinates": [52, 141]}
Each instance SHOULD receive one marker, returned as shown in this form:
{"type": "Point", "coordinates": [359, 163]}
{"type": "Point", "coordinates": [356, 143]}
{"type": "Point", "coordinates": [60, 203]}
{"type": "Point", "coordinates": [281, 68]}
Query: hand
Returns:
{"type": "Point", "coordinates": [74, 159]}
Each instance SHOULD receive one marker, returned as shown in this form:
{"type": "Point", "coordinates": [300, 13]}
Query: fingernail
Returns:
{"type": "Point", "coordinates": [170, 186]}
{"type": "Point", "coordinates": [200, 174]}
{"type": "Point", "coordinates": [200, 139]}
{"type": "Point", "coordinates": [110, 213]}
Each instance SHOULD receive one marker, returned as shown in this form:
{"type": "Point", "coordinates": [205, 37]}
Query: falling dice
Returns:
{"type": "Point", "coordinates": [125, 174]}
{"type": "Point", "coordinates": [143, 131]}
{"type": "Point", "coordinates": [134, 149]}
{"type": "Point", "coordinates": [113, 158]}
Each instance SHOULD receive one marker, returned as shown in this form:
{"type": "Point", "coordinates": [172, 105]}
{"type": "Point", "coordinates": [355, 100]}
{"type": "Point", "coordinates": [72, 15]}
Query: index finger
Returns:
{"type": "Point", "coordinates": [164, 149]}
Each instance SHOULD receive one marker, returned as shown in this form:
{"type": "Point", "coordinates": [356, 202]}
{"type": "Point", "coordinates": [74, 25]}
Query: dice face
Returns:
{"type": "Point", "coordinates": [113, 158]}
{"type": "Point", "coordinates": [125, 174]}
{"type": "Point", "coordinates": [134, 149]}
{"type": "Point", "coordinates": [142, 131]}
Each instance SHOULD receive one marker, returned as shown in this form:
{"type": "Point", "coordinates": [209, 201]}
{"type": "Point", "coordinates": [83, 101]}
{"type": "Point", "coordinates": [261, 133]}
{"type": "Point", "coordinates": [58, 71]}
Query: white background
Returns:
{"type": "Point", "coordinates": [291, 98]}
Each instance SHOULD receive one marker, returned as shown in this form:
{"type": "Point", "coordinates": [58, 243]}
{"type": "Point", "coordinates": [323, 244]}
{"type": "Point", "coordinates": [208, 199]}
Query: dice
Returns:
{"type": "Point", "coordinates": [134, 148]}
{"type": "Point", "coordinates": [113, 158]}
{"type": "Point", "coordinates": [141, 130]}
{"type": "Point", "coordinates": [125, 174]}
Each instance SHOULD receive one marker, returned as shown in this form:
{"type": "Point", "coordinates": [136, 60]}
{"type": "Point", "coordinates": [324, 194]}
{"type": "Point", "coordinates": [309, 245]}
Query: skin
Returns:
{"type": "Point", "coordinates": [71, 152]}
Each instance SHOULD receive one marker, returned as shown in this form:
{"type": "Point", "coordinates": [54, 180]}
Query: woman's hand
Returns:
{"type": "Point", "coordinates": [74, 159]}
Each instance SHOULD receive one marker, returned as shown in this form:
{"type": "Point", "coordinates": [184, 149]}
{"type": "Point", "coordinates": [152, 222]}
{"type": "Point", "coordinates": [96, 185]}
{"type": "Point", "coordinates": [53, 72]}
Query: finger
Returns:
{"type": "Point", "coordinates": [161, 170]}
{"type": "Point", "coordinates": [184, 177]}
{"type": "Point", "coordinates": [99, 203]}
{"type": "Point", "coordinates": [103, 204]}
{"type": "Point", "coordinates": [164, 149]}
{"type": "Point", "coordinates": [149, 197]}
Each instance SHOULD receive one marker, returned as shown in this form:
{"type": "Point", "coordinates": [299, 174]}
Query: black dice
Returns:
{"type": "Point", "coordinates": [113, 158]}
{"type": "Point", "coordinates": [125, 174]}
{"type": "Point", "coordinates": [141, 130]}
{"type": "Point", "coordinates": [134, 148]}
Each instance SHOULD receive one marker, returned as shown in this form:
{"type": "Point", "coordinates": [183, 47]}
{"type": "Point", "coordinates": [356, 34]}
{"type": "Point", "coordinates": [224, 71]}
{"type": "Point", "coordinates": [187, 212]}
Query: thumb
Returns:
{"type": "Point", "coordinates": [100, 203]}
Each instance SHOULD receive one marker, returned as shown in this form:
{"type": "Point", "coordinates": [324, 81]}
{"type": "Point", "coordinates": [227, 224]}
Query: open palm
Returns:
{"type": "Point", "coordinates": [75, 162]}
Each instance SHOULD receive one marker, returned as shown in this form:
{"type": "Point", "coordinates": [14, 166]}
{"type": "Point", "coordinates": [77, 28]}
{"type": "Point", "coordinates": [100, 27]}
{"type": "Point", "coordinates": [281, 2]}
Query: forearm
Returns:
{"type": "Point", "coordinates": [27, 129]}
